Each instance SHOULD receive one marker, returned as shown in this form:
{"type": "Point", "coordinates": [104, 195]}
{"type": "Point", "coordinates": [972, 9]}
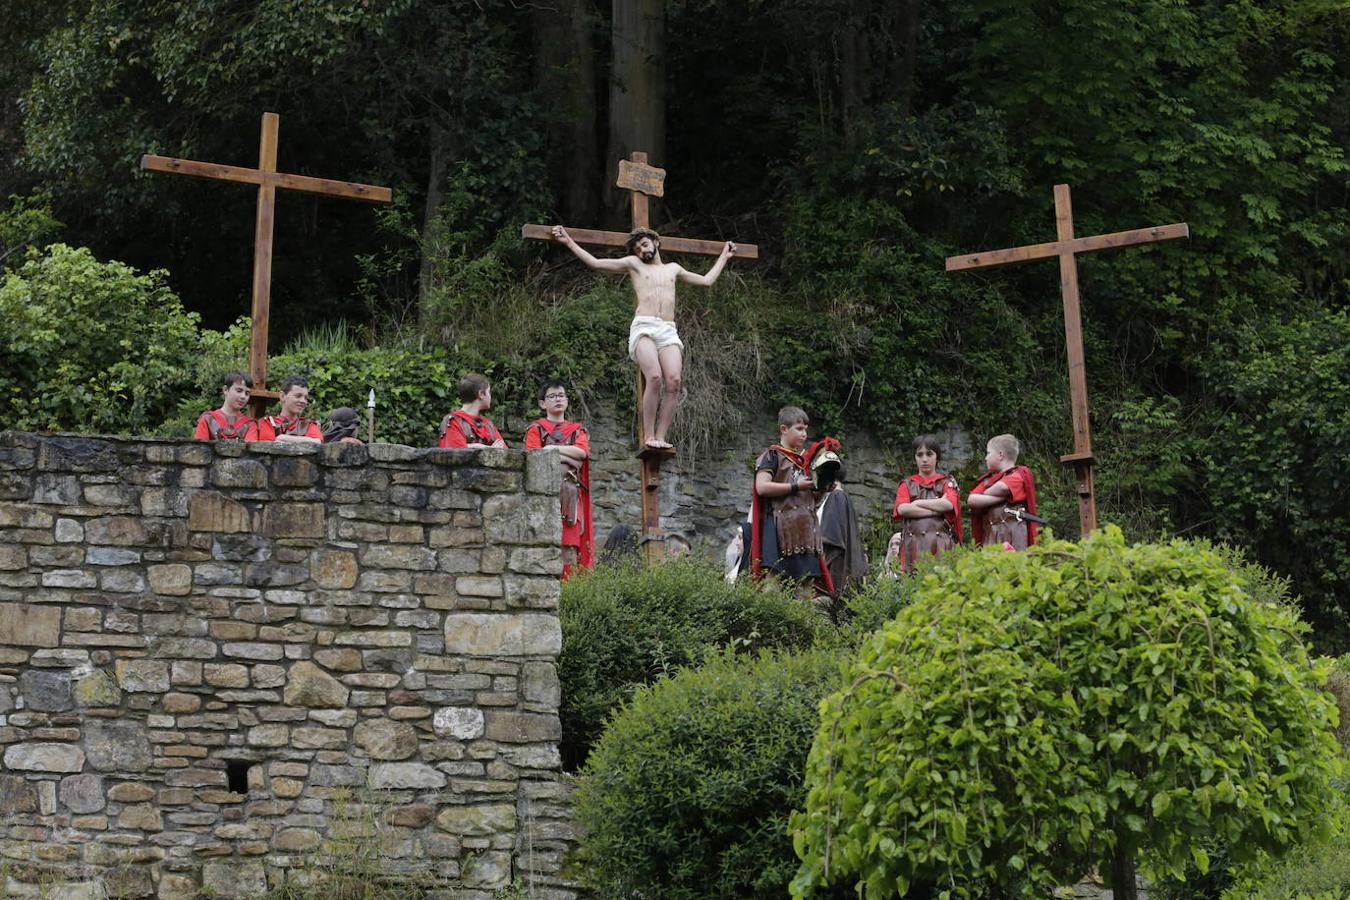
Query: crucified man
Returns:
{"type": "Point", "coordinates": [653, 342]}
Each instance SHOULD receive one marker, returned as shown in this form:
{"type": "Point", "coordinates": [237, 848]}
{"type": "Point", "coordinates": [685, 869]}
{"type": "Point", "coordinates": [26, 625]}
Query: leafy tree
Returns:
{"type": "Point", "coordinates": [91, 346]}
{"type": "Point", "coordinates": [1035, 715]}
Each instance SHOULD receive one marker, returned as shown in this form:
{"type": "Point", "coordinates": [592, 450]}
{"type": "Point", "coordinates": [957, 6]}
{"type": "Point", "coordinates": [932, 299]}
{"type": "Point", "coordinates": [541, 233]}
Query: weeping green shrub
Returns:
{"type": "Point", "coordinates": [627, 625]}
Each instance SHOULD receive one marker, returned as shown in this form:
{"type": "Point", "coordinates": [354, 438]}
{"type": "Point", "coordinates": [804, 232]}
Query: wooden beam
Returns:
{"type": "Point", "coordinates": [1093, 244]}
{"type": "Point", "coordinates": [218, 172]}
{"type": "Point", "coordinates": [594, 238]}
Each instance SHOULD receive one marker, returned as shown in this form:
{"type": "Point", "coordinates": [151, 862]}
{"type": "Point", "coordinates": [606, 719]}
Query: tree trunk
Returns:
{"type": "Point", "coordinates": [564, 70]}
{"type": "Point", "coordinates": [637, 94]}
{"type": "Point", "coordinates": [851, 42]}
{"type": "Point", "coordinates": [1123, 883]}
{"type": "Point", "coordinates": [438, 163]}
{"type": "Point", "coordinates": [904, 30]}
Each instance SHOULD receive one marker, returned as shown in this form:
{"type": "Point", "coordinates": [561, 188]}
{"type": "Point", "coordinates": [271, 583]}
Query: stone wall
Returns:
{"type": "Point", "coordinates": [219, 662]}
{"type": "Point", "coordinates": [703, 499]}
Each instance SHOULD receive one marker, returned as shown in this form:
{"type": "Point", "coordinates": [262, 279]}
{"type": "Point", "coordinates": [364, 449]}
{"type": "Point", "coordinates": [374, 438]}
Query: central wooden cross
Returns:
{"type": "Point", "coordinates": [268, 179]}
{"type": "Point", "coordinates": [642, 181]}
{"type": "Point", "coordinates": [1066, 248]}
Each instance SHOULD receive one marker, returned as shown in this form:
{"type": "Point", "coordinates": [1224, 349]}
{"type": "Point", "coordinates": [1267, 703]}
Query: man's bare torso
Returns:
{"type": "Point", "coordinates": [654, 285]}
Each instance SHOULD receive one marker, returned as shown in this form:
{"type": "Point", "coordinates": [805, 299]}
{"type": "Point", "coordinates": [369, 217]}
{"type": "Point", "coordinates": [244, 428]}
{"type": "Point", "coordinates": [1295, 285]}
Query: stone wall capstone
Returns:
{"type": "Point", "coordinates": [217, 660]}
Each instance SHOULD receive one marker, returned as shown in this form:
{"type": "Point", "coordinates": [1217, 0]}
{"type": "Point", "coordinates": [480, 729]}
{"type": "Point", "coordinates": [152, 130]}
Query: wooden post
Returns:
{"type": "Point", "coordinates": [1066, 247]}
{"type": "Point", "coordinates": [268, 179]}
{"type": "Point", "coordinates": [642, 181]}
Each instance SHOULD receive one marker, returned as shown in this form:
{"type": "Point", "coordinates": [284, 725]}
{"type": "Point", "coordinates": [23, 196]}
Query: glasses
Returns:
{"type": "Point", "coordinates": [555, 396]}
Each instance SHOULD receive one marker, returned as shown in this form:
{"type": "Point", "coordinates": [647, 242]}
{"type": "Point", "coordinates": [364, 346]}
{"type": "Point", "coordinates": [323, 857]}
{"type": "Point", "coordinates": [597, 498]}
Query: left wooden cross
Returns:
{"type": "Point", "coordinates": [268, 179]}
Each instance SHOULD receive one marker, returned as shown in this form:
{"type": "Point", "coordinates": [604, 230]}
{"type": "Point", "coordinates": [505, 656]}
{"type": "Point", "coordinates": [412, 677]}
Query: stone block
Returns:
{"type": "Point", "coordinates": [69, 531]}
{"type": "Point", "coordinates": [142, 816]}
{"type": "Point", "coordinates": [41, 757]}
{"type": "Point", "coordinates": [118, 745]}
{"type": "Point", "coordinates": [143, 675]}
{"type": "Point", "coordinates": [308, 685]}
{"type": "Point", "coordinates": [46, 691]}
{"type": "Point", "coordinates": [522, 728]}
{"type": "Point", "coordinates": [275, 574]}
{"type": "Point", "coordinates": [339, 660]}
{"type": "Point", "coordinates": [28, 625]}
{"type": "Point", "coordinates": [239, 473]}
{"type": "Point", "coordinates": [313, 738]}
{"type": "Point", "coordinates": [225, 675]}
{"type": "Point", "coordinates": [404, 775]}
{"type": "Point", "coordinates": [69, 578]}
{"type": "Point", "coordinates": [121, 581]}
{"type": "Point", "coordinates": [98, 688]}
{"type": "Point", "coordinates": [213, 512]}
{"type": "Point", "coordinates": [333, 570]}
{"type": "Point", "coordinates": [234, 879]}
{"type": "Point", "coordinates": [479, 586]}
{"type": "Point", "coordinates": [386, 740]}
{"type": "Point", "coordinates": [539, 684]}
{"type": "Point", "coordinates": [116, 531]}
{"type": "Point", "coordinates": [241, 548]}
{"type": "Point", "coordinates": [252, 650]}
{"type": "Point", "coordinates": [490, 870]}
{"type": "Point", "coordinates": [18, 795]}
{"type": "Point", "coordinates": [399, 556]}
{"type": "Point", "coordinates": [293, 472]}
{"type": "Point", "coordinates": [463, 723]}
{"type": "Point", "coordinates": [170, 579]}
{"type": "Point", "coordinates": [293, 520]}
{"type": "Point", "coordinates": [269, 736]}
{"type": "Point", "coordinates": [536, 560]}
{"type": "Point", "coordinates": [483, 819]}
{"type": "Point", "coordinates": [131, 792]}
{"type": "Point", "coordinates": [493, 634]}
{"type": "Point", "coordinates": [62, 490]}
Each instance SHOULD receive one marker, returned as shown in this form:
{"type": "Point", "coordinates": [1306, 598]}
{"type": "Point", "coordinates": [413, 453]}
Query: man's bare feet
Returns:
{"type": "Point", "coordinates": [659, 445]}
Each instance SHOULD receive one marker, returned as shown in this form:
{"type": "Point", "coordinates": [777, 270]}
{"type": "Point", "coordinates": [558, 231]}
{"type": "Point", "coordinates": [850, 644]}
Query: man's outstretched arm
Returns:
{"type": "Point", "coordinates": [710, 278]}
{"type": "Point", "coordinates": [601, 265]}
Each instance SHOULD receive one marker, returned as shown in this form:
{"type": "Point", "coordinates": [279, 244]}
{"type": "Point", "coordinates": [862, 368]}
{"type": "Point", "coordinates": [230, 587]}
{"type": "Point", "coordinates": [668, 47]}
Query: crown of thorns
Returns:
{"type": "Point", "coordinates": [638, 234]}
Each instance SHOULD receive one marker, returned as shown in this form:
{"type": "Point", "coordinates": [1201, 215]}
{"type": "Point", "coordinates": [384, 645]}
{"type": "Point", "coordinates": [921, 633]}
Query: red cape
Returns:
{"type": "Point", "coordinates": [758, 513]}
{"type": "Point", "coordinates": [989, 479]}
{"type": "Point", "coordinates": [586, 538]}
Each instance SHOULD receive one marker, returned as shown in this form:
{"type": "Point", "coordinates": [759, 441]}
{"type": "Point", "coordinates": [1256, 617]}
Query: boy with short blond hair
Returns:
{"type": "Point", "coordinates": [467, 427]}
{"type": "Point", "coordinates": [784, 531]}
{"type": "Point", "coordinates": [1001, 497]}
{"type": "Point", "coordinates": [572, 442]}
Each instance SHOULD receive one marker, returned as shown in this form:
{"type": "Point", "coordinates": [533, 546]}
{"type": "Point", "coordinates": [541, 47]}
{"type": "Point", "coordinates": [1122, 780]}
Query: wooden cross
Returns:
{"type": "Point", "coordinates": [1066, 247]}
{"type": "Point", "coordinates": [642, 181]}
{"type": "Point", "coordinates": [268, 179]}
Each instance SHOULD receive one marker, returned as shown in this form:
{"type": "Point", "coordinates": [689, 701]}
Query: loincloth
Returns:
{"type": "Point", "coordinates": [661, 331]}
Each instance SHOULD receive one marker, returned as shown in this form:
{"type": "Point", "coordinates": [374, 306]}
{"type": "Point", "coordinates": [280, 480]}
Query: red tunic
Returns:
{"type": "Point", "coordinates": [269, 427]}
{"type": "Point", "coordinates": [579, 531]}
{"type": "Point", "coordinates": [990, 524]}
{"type": "Point", "coordinates": [937, 484]}
{"type": "Point", "coordinates": [214, 426]}
{"type": "Point", "coordinates": [763, 509]}
{"type": "Point", "coordinates": [460, 429]}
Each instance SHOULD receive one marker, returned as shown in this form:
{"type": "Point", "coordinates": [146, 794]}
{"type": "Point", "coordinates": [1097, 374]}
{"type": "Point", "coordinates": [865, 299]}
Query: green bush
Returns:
{"type": "Point", "coordinates": [687, 795]}
{"type": "Point", "coordinates": [1035, 715]}
{"type": "Point", "coordinates": [625, 626]}
{"type": "Point", "coordinates": [1318, 870]}
{"type": "Point", "coordinates": [91, 346]}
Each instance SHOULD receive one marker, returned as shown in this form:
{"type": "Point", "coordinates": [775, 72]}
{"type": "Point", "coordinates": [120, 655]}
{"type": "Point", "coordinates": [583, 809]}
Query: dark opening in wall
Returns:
{"type": "Point", "coordinates": [236, 773]}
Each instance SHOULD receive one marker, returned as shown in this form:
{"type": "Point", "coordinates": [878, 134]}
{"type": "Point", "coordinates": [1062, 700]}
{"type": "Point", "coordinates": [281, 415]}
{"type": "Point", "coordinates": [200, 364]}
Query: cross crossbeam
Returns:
{"type": "Point", "coordinates": [268, 180]}
{"type": "Point", "coordinates": [1066, 248]}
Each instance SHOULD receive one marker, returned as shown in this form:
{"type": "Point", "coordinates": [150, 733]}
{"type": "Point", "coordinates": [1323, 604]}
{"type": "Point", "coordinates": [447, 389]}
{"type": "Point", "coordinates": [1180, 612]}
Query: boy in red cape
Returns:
{"type": "Point", "coordinates": [784, 531]}
{"type": "Point", "coordinates": [1002, 492]}
{"type": "Point", "coordinates": [230, 422]}
{"type": "Point", "coordinates": [291, 426]}
{"type": "Point", "coordinates": [928, 507]}
{"type": "Point", "coordinates": [467, 427]}
{"type": "Point", "coordinates": [573, 445]}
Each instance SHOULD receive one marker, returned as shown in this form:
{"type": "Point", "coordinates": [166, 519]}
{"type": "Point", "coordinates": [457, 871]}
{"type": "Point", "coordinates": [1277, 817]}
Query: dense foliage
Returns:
{"type": "Point", "coordinates": [687, 796]}
{"type": "Point", "coordinates": [89, 345]}
{"type": "Point", "coordinates": [903, 133]}
{"type": "Point", "coordinates": [626, 625]}
{"type": "Point", "coordinates": [1034, 715]}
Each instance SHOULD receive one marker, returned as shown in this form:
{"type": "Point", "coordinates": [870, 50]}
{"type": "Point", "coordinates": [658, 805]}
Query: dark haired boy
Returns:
{"type": "Point", "coordinates": [784, 532]}
{"type": "Point", "coordinates": [231, 422]}
{"type": "Point", "coordinates": [291, 426]}
{"type": "Point", "coordinates": [572, 443]}
{"type": "Point", "coordinates": [467, 427]}
{"type": "Point", "coordinates": [653, 342]}
{"type": "Point", "coordinates": [1001, 496]}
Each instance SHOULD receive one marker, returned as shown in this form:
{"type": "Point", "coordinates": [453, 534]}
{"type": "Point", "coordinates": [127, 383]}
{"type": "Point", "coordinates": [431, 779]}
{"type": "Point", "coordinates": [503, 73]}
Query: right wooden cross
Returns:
{"type": "Point", "coordinates": [1066, 247]}
{"type": "Point", "coordinates": [642, 181]}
